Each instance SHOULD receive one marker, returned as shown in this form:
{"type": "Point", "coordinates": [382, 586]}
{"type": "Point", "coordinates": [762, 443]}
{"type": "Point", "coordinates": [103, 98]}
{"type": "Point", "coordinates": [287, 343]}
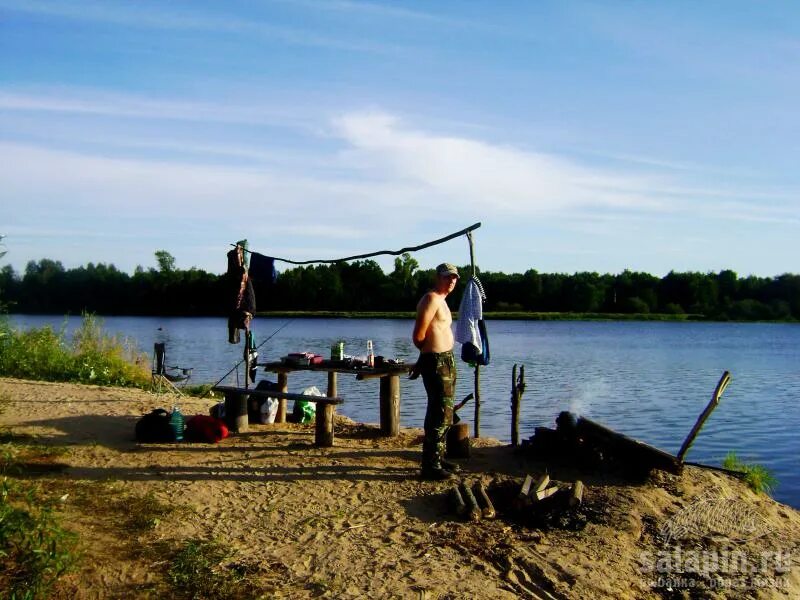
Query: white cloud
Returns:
{"type": "Point", "coordinates": [477, 175]}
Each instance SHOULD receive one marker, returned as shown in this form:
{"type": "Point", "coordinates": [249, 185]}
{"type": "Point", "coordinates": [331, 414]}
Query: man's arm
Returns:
{"type": "Point", "coordinates": [426, 310]}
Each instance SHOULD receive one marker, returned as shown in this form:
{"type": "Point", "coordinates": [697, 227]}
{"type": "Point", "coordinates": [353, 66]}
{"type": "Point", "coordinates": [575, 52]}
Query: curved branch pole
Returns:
{"type": "Point", "coordinates": [723, 383]}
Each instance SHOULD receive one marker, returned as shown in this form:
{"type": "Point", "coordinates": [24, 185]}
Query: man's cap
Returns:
{"type": "Point", "coordinates": [446, 269]}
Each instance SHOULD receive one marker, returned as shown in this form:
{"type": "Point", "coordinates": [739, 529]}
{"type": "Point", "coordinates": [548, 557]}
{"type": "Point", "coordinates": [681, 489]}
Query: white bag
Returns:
{"type": "Point", "coordinates": [269, 410]}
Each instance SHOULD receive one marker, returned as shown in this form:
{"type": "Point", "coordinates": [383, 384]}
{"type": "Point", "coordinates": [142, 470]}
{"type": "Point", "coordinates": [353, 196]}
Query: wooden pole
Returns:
{"type": "Point", "coordinates": [477, 381]}
{"type": "Point", "coordinates": [514, 408]}
{"type": "Point", "coordinates": [283, 386]}
{"type": "Point", "coordinates": [721, 385]}
{"type": "Point", "coordinates": [477, 393]}
{"type": "Point", "coordinates": [326, 415]}
{"type": "Point", "coordinates": [331, 384]}
{"type": "Point", "coordinates": [323, 424]}
{"type": "Point", "coordinates": [390, 405]}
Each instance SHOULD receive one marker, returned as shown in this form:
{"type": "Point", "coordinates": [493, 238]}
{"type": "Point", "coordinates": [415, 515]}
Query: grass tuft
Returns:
{"type": "Point", "coordinates": [198, 570]}
{"type": "Point", "coordinates": [758, 477]}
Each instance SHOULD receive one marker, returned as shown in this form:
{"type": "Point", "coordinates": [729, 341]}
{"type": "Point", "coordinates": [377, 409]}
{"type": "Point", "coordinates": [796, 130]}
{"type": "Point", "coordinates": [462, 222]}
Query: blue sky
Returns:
{"type": "Point", "coordinates": [592, 136]}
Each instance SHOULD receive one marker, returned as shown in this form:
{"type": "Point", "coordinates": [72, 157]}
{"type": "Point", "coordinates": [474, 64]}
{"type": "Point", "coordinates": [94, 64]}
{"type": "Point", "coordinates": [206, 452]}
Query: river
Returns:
{"type": "Point", "coordinates": [649, 380]}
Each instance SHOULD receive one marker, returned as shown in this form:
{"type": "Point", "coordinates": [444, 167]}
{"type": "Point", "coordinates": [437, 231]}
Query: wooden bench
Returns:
{"type": "Point", "coordinates": [236, 409]}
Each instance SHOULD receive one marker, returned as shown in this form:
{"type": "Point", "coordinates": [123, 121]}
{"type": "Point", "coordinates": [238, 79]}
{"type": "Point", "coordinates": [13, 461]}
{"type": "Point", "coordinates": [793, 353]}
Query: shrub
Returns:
{"type": "Point", "coordinates": [91, 357]}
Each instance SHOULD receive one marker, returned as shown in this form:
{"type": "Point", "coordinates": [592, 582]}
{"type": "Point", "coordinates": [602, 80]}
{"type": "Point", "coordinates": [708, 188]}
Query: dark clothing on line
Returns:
{"type": "Point", "coordinates": [262, 268]}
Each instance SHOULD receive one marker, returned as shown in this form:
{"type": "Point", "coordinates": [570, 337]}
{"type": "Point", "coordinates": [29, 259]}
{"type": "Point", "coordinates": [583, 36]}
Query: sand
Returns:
{"type": "Point", "coordinates": [354, 521]}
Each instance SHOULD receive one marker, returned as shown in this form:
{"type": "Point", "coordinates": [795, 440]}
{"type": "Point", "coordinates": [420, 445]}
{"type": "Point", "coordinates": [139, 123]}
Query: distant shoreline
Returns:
{"type": "Point", "coordinates": [499, 316]}
{"type": "Point", "coordinates": [488, 315]}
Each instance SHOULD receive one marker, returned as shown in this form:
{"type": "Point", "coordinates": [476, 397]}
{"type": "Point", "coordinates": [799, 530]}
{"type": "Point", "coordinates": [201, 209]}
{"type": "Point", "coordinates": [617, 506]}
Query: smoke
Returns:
{"type": "Point", "coordinates": [586, 395]}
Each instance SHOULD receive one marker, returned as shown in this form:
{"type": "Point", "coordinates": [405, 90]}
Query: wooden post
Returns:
{"type": "Point", "coordinates": [331, 384]}
{"type": "Point", "coordinates": [236, 412]}
{"type": "Point", "coordinates": [723, 383]}
{"type": "Point", "coordinates": [326, 416]}
{"type": "Point", "coordinates": [323, 426]}
{"type": "Point", "coordinates": [390, 405]}
{"type": "Point", "coordinates": [457, 441]}
{"type": "Point", "coordinates": [514, 407]}
{"type": "Point", "coordinates": [283, 386]}
{"type": "Point", "coordinates": [477, 401]}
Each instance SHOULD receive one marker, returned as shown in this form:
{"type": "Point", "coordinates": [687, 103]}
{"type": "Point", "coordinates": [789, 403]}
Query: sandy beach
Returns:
{"type": "Point", "coordinates": [354, 521]}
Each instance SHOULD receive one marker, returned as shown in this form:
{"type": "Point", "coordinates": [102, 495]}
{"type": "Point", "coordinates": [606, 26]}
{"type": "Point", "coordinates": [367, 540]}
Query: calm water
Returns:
{"type": "Point", "coordinates": [648, 380]}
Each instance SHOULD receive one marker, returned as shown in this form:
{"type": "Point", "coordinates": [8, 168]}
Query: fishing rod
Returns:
{"type": "Point", "coordinates": [236, 366]}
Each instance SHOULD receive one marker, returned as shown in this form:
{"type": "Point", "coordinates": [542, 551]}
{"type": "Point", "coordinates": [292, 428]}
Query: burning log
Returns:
{"type": "Point", "coordinates": [621, 448]}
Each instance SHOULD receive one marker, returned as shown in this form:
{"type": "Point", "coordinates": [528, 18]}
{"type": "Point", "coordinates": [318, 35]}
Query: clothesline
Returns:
{"type": "Point", "coordinates": [447, 238]}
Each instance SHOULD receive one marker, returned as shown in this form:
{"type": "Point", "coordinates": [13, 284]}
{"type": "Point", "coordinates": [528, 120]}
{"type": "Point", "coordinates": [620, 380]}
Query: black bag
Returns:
{"type": "Point", "coordinates": [154, 427]}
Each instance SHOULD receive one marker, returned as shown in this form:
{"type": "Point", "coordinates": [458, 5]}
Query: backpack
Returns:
{"type": "Point", "coordinates": [154, 427]}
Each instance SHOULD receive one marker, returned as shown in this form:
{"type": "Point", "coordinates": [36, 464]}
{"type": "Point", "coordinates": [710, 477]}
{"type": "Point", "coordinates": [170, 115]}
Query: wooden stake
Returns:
{"type": "Point", "coordinates": [283, 386]}
{"type": "Point", "coordinates": [517, 388]}
{"type": "Point", "coordinates": [723, 383]}
{"type": "Point", "coordinates": [477, 393]}
{"type": "Point", "coordinates": [487, 508]}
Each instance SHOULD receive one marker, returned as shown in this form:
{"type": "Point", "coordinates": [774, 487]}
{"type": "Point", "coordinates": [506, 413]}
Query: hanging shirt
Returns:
{"type": "Point", "coordinates": [470, 312]}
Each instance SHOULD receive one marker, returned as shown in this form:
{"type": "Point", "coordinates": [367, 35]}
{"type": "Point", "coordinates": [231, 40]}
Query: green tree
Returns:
{"type": "Point", "coordinates": [166, 262]}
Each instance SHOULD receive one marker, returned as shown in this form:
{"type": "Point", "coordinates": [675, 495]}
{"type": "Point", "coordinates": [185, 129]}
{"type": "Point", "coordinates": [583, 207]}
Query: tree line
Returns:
{"type": "Point", "coordinates": [46, 287]}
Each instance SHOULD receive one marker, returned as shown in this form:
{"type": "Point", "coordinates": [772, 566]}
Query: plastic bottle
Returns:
{"type": "Point", "coordinates": [370, 354]}
{"type": "Point", "coordinates": [176, 421]}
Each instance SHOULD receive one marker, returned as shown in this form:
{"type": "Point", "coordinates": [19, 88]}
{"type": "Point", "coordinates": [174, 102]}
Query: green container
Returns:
{"type": "Point", "coordinates": [337, 350]}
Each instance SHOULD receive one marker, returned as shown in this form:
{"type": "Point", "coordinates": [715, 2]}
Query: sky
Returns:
{"type": "Point", "coordinates": [583, 136]}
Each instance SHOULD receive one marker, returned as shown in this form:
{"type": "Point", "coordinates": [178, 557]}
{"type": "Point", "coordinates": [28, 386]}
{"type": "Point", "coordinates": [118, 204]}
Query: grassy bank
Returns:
{"type": "Point", "coordinates": [89, 356]}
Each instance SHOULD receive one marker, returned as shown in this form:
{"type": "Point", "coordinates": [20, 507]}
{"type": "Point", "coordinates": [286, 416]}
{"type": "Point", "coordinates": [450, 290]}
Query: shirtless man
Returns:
{"type": "Point", "coordinates": [434, 338]}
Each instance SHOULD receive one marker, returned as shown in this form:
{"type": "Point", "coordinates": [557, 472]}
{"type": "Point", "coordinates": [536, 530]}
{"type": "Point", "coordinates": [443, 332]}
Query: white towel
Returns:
{"type": "Point", "coordinates": [470, 312]}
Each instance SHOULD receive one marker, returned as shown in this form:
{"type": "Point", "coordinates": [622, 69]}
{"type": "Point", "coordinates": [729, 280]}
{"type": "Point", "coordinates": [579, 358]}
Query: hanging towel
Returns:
{"type": "Point", "coordinates": [470, 329]}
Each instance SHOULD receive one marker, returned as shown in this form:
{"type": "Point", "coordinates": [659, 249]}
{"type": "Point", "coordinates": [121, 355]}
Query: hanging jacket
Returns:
{"type": "Point", "coordinates": [470, 328]}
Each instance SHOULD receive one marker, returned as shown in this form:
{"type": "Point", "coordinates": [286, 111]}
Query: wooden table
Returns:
{"type": "Point", "coordinates": [236, 410]}
{"type": "Point", "coordinates": [389, 375]}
